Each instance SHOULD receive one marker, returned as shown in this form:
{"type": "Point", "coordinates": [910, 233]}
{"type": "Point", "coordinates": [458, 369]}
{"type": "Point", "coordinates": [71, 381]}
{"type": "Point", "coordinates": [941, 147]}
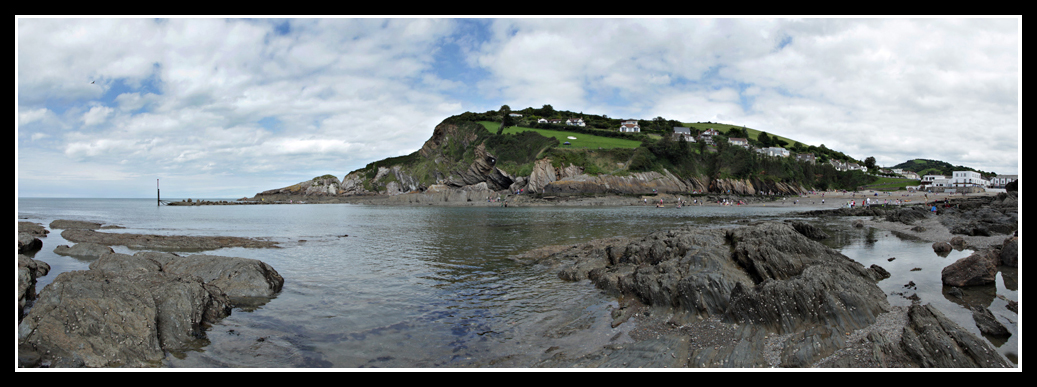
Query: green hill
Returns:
{"type": "Point", "coordinates": [935, 167]}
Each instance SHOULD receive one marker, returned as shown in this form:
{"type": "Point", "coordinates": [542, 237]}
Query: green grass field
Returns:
{"type": "Point", "coordinates": [580, 141]}
{"type": "Point", "coordinates": [891, 184]}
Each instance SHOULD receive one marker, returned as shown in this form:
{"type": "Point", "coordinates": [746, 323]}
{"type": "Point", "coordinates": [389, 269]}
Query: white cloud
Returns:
{"type": "Point", "coordinates": [189, 93]}
{"type": "Point", "coordinates": [97, 115]}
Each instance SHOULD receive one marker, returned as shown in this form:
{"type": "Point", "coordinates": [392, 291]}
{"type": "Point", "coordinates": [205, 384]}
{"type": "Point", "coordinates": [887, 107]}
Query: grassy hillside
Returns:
{"type": "Point", "coordinates": [580, 140]}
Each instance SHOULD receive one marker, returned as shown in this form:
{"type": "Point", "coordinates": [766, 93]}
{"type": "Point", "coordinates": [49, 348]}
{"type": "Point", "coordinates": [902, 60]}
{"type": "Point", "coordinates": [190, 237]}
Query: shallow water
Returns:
{"type": "Point", "coordinates": [410, 287]}
{"type": "Point", "coordinates": [915, 272]}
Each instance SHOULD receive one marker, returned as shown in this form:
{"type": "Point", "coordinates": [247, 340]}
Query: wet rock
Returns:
{"type": "Point", "coordinates": [92, 318]}
{"type": "Point", "coordinates": [931, 340]}
{"type": "Point", "coordinates": [980, 268]}
{"type": "Point", "coordinates": [958, 242]}
{"type": "Point", "coordinates": [809, 230]}
{"type": "Point", "coordinates": [128, 310]}
{"type": "Point", "coordinates": [1009, 254]}
{"type": "Point", "coordinates": [942, 247]}
{"type": "Point", "coordinates": [33, 229]}
{"type": "Point", "coordinates": [28, 271]}
{"type": "Point", "coordinates": [987, 323]}
{"type": "Point", "coordinates": [768, 276]}
{"type": "Point", "coordinates": [64, 224]}
{"type": "Point", "coordinates": [880, 272]}
{"type": "Point", "coordinates": [162, 242]}
{"type": "Point", "coordinates": [84, 250]}
{"type": "Point", "coordinates": [27, 243]}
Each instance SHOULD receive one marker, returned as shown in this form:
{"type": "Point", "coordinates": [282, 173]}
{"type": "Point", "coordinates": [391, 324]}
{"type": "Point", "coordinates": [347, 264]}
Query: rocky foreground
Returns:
{"type": "Point", "coordinates": [764, 295]}
{"type": "Point", "coordinates": [129, 310]}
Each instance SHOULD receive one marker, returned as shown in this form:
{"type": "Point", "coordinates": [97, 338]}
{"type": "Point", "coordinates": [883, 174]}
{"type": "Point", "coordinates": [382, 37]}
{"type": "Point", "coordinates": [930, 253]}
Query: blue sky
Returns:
{"type": "Point", "coordinates": [228, 107]}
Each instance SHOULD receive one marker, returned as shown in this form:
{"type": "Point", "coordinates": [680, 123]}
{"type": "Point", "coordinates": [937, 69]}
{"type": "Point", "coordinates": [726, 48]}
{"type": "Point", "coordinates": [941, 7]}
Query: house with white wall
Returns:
{"type": "Point", "coordinates": [629, 126]}
{"type": "Point", "coordinates": [774, 151]}
{"type": "Point", "coordinates": [744, 143]}
{"type": "Point", "coordinates": [1002, 180]}
{"type": "Point", "coordinates": [575, 122]}
{"type": "Point", "coordinates": [968, 179]}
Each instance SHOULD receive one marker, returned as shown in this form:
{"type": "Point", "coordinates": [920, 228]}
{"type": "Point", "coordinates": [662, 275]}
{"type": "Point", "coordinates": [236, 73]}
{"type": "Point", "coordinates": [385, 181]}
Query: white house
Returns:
{"type": "Point", "coordinates": [575, 122]}
{"type": "Point", "coordinates": [738, 141]}
{"type": "Point", "coordinates": [542, 120]}
{"type": "Point", "coordinates": [806, 158]}
{"type": "Point", "coordinates": [515, 115]}
{"type": "Point", "coordinates": [629, 128]}
{"type": "Point", "coordinates": [1002, 180]}
{"type": "Point", "coordinates": [680, 131]}
{"type": "Point", "coordinates": [774, 151]}
{"type": "Point", "coordinates": [968, 179]}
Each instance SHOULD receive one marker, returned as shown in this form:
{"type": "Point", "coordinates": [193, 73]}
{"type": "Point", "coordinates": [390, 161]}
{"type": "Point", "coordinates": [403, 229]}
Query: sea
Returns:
{"type": "Point", "coordinates": [418, 287]}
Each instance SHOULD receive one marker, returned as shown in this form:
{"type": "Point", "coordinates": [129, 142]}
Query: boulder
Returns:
{"type": "Point", "coordinates": [1009, 254]}
{"type": "Point", "coordinates": [27, 243]}
{"type": "Point", "coordinates": [92, 318]}
{"type": "Point", "coordinates": [942, 247]}
{"type": "Point", "coordinates": [129, 310]}
{"type": "Point", "coordinates": [980, 268]}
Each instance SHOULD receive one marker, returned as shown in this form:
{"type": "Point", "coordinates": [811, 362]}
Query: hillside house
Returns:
{"type": "Point", "coordinates": [515, 115]}
{"type": "Point", "coordinates": [742, 142]}
{"type": "Point", "coordinates": [806, 158]}
{"type": "Point", "coordinates": [629, 126]}
{"type": "Point", "coordinates": [856, 167]}
{"type": "Point", "coordinates": [558, 121]}
{"type": "Point", "coordinates": [707, 135]}
{"type": "Point", "coordinates": [776, 151]}
{"type": "Point", "coordinates": [542, 121]}
{"type": "Point", "coordinates": [909, 175]}
{"type": "Point", "coordinates": [575, 122]}
{"type": "Point", "coordinates": [839, 165]}
{"type": "Point", "coordinates": [680, 131]}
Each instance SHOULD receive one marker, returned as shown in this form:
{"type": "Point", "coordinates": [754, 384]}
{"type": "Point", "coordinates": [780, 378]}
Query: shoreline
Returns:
{"type": "Point", "coordinates": [823, 200]}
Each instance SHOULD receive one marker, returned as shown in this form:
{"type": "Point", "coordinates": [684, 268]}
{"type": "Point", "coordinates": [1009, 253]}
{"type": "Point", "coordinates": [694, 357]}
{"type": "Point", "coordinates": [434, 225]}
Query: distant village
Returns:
{"type": "Point", "coordinates": [959, 181]}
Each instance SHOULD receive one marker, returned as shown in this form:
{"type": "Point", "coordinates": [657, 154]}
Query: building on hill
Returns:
{"type": "Point", "coordinates": [707, 135]}
{"type": "Point", "coordinates": [575, 122]}
{"type": "Point", "coordinates": [744, 143]}
{"type": "Point", "coordinates": [806, 158]}
{"type": "Point", "coordinates": [629, 126]}
{"type": "Point", "coordinates": [680, 131]}
{"type": "Point", "coordinates": [776, 151]}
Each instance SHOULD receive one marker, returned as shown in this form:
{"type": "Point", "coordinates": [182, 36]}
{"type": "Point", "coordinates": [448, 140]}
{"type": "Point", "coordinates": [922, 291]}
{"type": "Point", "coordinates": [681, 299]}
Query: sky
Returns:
{"type": "Point", "coordinates": [207, 107]}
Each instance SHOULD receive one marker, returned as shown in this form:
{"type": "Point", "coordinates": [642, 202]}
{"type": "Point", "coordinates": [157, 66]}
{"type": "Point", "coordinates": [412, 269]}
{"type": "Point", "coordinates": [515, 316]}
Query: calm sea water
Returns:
{"type": "Point", "coordinates": [413, 287]}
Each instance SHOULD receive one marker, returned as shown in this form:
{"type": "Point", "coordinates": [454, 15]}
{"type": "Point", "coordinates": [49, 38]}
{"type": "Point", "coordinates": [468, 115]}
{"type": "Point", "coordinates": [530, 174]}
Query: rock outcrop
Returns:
{"type": "Point", "coordinates": [326, 185]}
{"type": "Point", "coordinates": [764, 285]}
{"type": "Point", "coordinates": [127, 311]}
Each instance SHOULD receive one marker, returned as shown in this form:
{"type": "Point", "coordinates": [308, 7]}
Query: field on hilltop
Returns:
{"type": "Point", "coordinates": [581, 140]}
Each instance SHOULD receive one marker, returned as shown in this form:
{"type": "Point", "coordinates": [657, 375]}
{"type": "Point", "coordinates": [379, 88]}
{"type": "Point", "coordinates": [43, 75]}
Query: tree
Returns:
{"type": "Point", "coordinates": [506, 120]}
{"type": "Point", "coordinates": [870, 163]}
{"type": "Point", "coordinates": [765, 140]}
{"type": "Point", "coordinates": [547, 111]}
